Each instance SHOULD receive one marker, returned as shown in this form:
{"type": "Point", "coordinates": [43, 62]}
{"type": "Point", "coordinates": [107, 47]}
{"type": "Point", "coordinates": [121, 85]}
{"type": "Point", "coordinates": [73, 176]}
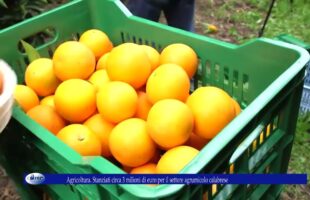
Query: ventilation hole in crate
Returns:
{"type": "Point", "coordinates": [208, 68]}
{"type": "Point", "coordinates": [200, 83]}
{"type": "Point", "coordinates": [26, 60]}
{"type": "Point", "coordinates": [45, 196]}
{"type": "Point", "coordinates": [261, 137]}
{"type": "Point", "coordinates": [134, 39]}
{"type": "Point", "coordinates": [75, 36]}
{"type": "Point", "coordinates": [146, 42]}
{"type": "Point", "coordinates": [205, 196]}
{"type": "Point", "coordinates": [122, 36]}
{"type": "Point", "coordinates": [199, 68]}
{"type": "Point", "coordinates": [127, 38]}
{"type": "Point", "coordinates": [267, 129]}
{"type": "Point", "coordinates": [153, 44]}
{"type": "Point", "coordinates": [235, 79]}
{"type": "Point", "coordinates": [231, 168]}
{"type": "Point", "coordinates": [50, 52]}
{"type": "Point", "coordinates": [254, 145]}
{"type": "Point", "coordinates": [199, 75]}
{"type": "Point", "coordinates": [245, 88]}
{"type": "Point", "coordinates": [38, 39]}
{"type": "Point", "coordinates": [271, 127]}
{"type": "Point", "coordinates": [217, 72]}
{"type": "Point", "coordinates": [160, 48]}
{"type": "Point", "coordinates": [140, 41]}
{"type": "Point", "coordinates": [245, 82]}
{"type": "Point", "coordinates": [226, 76]}
{"type": "Point", "coordinates": [193, 82]}
{"type": "Point", "coordinates": [214, 189]}
{"type": "Point", "coordinates": [275, 123]}
{"type": "Point", "coordinates": [78, 35]}
{"type": "Point", "coordinates": [248, 151]}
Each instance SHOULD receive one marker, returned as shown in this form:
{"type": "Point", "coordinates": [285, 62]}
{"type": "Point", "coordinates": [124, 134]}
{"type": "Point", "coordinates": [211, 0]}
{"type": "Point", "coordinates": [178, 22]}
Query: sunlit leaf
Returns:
{"type": "Point", "coordinates": [31, 52]}
{"type": "Point", "coordinates": [2, 3]}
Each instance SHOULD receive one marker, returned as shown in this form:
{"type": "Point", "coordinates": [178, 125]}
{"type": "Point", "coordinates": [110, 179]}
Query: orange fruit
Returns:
{"type": "Point", "coordinates": [144, 106]}
{"type": "Point", "coordinates": [102, 62]}
{"type": "Point", "coordinates": [213, 109]}
{"type": "Point", "coordinates": [25, 97]}
{"type": "Point", "coordinates": [73, 60]}
{"type": "Point", "coordinates": [196, 141]}
{"type": "Point", "coordinates": [97, 41]}
{"type": "Point", "coordinates": [180, 54]}
{"type": "Point", "coordinates": [153, 56]}
{"type": "Point", "coordinates": [170, 123]}
{"type": "Point", "coordinates": [149, 168]}
{"type": "Point", "coordinates": [48, 101]}
{"type": "Point", "coordinates": [129, 63]}
{"type": "Point", "coordinates": [47, 117]}
{"type": "Point", "coordinates": [175, 159]}
{"type": "Point", "coordinates": [80, 138]}
{"type": "Point", "coordinates": [102, 129]}
{"type": "Point", "coordinates": [40, 77]}
{"type": "Point", "coordinates": [99, 78]}
{"type": "Point", "coordinates": [117, 101]}
{"type": "Point", "coordinates": [168, 81]}
{"type": "Point", "coordinates": [130, 143]}
{"type": "Point", "coordinates": [75, 100]}
{"type": "Point", "coordinates": [237, 106]}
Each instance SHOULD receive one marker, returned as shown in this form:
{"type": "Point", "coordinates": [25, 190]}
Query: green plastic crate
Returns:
{"type": "Point", "coordinates": [264, 75]}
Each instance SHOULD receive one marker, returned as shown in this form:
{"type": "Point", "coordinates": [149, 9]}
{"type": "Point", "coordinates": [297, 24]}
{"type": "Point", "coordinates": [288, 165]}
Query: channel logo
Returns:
{"type": "Point", "coordinates": [35, 178]}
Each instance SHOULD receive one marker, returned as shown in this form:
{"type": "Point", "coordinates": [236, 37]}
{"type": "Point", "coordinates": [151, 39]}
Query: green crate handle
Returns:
{"type": "Point", "coordinates": [31, 27]}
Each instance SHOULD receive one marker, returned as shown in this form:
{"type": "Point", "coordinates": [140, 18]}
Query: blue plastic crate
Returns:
{"type": "Point", "coordinates": [305, 99]}
{"type": "Point", "coordinates": [307, 78]}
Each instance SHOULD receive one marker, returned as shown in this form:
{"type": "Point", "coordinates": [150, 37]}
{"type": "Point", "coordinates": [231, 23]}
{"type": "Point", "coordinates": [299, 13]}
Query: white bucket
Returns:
{"type": "Point", "coordinates": [6, 97]}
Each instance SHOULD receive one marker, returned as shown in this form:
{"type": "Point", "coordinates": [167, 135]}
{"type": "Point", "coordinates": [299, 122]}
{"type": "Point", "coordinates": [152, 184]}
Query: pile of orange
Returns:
{"type": "Point", "coordinates": [127, 102]}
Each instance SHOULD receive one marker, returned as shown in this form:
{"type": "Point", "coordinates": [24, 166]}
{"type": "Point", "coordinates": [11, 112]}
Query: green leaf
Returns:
{"type": "Point", "coordinates": [31, 52]}
{"type": "Point", "coordinates": [2, 3]}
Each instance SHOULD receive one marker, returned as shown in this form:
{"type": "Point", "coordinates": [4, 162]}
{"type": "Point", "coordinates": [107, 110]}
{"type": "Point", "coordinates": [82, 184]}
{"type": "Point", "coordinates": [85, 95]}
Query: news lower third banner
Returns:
{"type": "Point", "coordinates": [38, 178]}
